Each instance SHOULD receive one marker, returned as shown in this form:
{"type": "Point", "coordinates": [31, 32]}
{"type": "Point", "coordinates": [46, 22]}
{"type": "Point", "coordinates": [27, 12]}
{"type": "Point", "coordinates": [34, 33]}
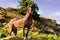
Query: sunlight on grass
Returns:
{"type": "Point", "coordinates": [34, 34]}
{"type": "Point", "coordinates": [20, 33]}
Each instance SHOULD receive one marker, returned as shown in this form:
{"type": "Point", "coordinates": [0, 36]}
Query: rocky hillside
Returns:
{"type": "Point", "coordinates": [47, 25]}
{"type": "Point", "coordinates": [44, 24]}
{"type": "Point", "coordinates": [6, 14]}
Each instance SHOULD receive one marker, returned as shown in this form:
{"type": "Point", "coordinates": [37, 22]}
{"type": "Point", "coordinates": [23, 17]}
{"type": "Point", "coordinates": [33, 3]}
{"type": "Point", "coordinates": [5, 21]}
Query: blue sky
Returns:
{"type": "Point", "coordinates": [47, 8]}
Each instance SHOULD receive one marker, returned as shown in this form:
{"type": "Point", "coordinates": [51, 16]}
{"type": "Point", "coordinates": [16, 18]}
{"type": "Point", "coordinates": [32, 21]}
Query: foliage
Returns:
{"type": "Point", "coordinates": [3, 33]}
{"type": "Point", "coordinates": [32, 34]}
{"type": "Point", "coordinates": [23, 6]}
{"type": "Point", "coordinates": [36, 35]}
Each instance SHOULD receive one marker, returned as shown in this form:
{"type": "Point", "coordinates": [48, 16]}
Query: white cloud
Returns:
{"type": "Point", "coordinates": [40, 12]}
{"type": "Point", "coordinates": [56, 14]}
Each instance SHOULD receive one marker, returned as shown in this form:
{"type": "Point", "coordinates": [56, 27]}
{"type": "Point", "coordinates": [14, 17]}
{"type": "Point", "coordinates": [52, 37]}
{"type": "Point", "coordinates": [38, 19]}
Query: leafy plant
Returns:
{"type": "Point", "coordinates": [3, 33]}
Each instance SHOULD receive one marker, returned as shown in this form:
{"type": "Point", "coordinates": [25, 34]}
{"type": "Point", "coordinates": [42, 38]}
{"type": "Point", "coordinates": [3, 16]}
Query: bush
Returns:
{"type": "Point", "coordinates": [3, 33]}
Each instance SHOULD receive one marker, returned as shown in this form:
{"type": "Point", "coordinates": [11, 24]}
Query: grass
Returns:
{"type": "Point", "coordinates": [34, 34]}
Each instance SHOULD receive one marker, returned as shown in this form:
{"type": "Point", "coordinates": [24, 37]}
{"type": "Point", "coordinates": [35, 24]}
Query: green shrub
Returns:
{"type": "Point", "coordinates": [3, 33]}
